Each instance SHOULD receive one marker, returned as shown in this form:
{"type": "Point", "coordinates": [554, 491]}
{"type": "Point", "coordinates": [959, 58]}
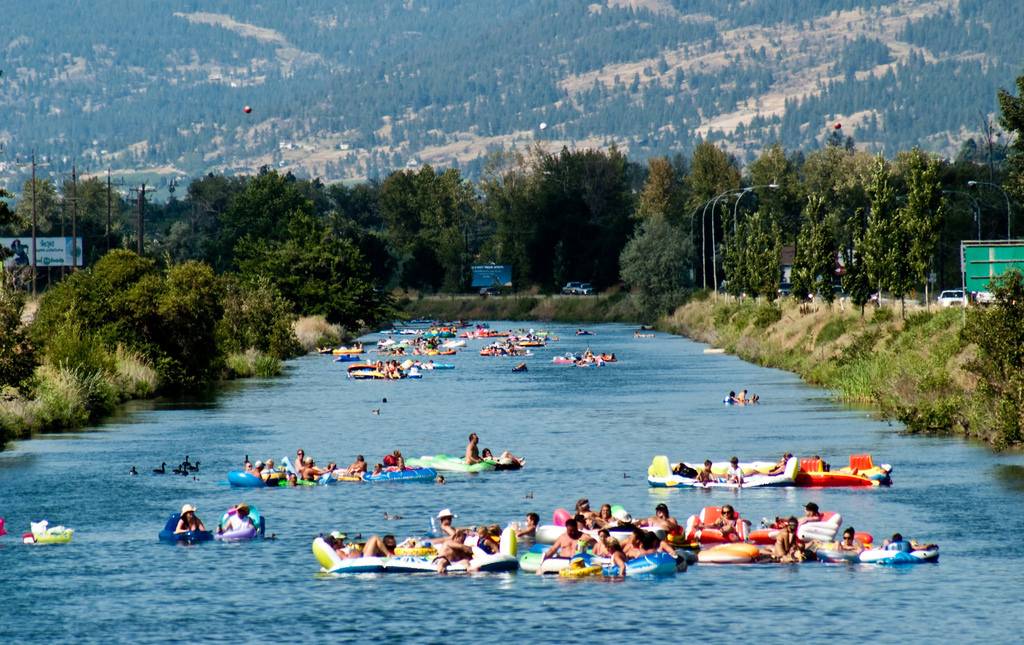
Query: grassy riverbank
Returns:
{"type": "Point", "coordinates": [911, 369]}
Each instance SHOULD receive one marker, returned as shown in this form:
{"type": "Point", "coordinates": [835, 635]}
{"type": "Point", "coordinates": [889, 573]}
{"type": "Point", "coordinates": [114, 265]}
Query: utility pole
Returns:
{"type": "Point", "coordinates": [74, 216]}
{"type": "Point", "coordinates": [34, 262]}
{"type": "Point", "coordinates": [108, 210]}
{"type": "Point", "coordinates": [142, 208]}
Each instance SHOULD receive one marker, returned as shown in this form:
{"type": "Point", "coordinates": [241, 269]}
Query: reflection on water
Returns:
{"type": "Point", "coordinates": [1011, 476]}
{"type": "Point", "coordinates": [586, 432]}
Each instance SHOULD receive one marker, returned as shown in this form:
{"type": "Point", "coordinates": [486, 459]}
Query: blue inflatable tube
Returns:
{"type": "Point", "coordinates": [244, 480]}
{"type": "Point", "coordinates": [655, 564]}
{"type": "Point", "coordinates": [190, 537]}
{"type": "Point", "coordinates": [410, 474]}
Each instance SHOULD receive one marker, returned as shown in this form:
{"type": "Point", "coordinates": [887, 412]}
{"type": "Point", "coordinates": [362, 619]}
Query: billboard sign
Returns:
{"type": "Point", "coordinates": [492, 275]}
{"type": "Point", "coordinates": [50, 251]}
{"type": "Point", "coordinates": [983, 261]}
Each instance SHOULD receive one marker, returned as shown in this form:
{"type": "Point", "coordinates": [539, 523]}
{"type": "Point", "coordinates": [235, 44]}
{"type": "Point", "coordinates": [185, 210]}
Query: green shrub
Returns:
{"type": "Point", "coordinates": [882, 315]}
{"type": "Point", "coordinates": [252, 363]}
{"type": "Point", "coordinates": [832, 330]}
{"type": "Point", "coordinates": [766, 316]}
{"type": "Point", "coordinates": [137, 378]}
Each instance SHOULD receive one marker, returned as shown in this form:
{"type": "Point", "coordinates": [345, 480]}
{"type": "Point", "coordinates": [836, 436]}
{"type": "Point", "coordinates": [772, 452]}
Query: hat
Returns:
{"type": "Point", "coordinates": [661, 507]}
{"type": "Point", "coordinates": [446, 512]}
{"type": "Point", "coordinates": [622, 516]}
{"type": "Point", "coordinates": [188, 508]}
{"type": "Point", "coordinates": [242, 507]}
{"type": "Point", "coordinates": [258, 464]}
{"type": "Point", "coordinates": [811, 506]}
{"type": "Point", "coordinates": [338, 535]}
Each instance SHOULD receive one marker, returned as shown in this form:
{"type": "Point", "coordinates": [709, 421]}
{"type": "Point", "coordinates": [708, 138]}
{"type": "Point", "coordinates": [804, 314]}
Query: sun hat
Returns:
{"type": "Point", "coordinates": [338, 535]}
{"type": "Point", "coordinates": [446, 512]}
{"type": "Point", "coordinates": [621, 515]}
{"type": "Point", "coordinates": [187, 508]}
{"type": "Point", "coordinates": [242, 507]}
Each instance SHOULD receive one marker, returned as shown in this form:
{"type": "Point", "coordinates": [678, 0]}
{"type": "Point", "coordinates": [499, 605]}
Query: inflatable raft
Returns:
{"type": "Point", "coordinates": [189, 537]}
{"type": "Point", "coordinates": [42, 533]}
{"type": "Point", "coordinates": [407, 475]}
{"type": "Point", "coordinates": [660, 475]}
{"type": "Point", "coordinates": [903, 553]}
{"type": "Point", "coordinates": [482, 561]}
{"type": "Point", "coordinates": [447, 463]}
{"type": "Point", "coordinates": [823, 531]}
{"type": "Point", "coordinates": [710, 515]}
{"type": "Point", "coordinates": [736, 553]}
{"type": "Point", "coordinates": [242, 479]}
{"type": "Point", "coordinates": [255, 531]}
{"type": "Point", "coordinates": [812, 474]}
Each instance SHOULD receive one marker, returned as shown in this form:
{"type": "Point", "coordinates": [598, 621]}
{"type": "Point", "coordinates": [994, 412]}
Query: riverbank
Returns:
{"type": "Point", "coordinates": [912, 369]}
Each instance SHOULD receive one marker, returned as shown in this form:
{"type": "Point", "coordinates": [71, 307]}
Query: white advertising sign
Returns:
{"type": "Point", "coordinates": [50, 251]}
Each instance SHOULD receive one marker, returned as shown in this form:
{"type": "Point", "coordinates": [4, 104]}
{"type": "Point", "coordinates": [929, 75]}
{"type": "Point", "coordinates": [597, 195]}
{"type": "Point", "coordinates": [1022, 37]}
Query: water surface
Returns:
{"type": "Point", "coordinates": [586, 432]}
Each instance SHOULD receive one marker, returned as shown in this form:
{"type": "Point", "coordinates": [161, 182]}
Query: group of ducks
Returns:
{"type": "Point", "coordinates": [184, 468]}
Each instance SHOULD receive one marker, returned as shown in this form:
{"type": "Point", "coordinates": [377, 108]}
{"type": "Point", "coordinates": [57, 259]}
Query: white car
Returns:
{"type": "Point", "coordinates": [984, 298]}
{"type": "Point", "coordinates": [952, 297]}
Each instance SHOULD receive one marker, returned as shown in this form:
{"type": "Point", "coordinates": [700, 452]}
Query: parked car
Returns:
{"type": "Point", "coordinates": [490, 291]}
{"type": "Point", "coordinates": [985, 298]}
{"type": "Point", "coordinates": [577, 289]}
{"type": "Point", "coordinates": [785, 289]}
{"type": "Point", "coordinates": [951, 297]}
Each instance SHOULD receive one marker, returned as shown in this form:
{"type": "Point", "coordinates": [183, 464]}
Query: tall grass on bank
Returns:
{"type": "Point", "coordinates": [253, 363]}
{"type": "Point", "coordinates": [315, 331]}
{"type": "Point", "coordinates": [62, 397]}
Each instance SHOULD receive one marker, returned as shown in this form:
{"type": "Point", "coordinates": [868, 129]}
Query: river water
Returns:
{"type": "Point", "coordinates": [584, 432]}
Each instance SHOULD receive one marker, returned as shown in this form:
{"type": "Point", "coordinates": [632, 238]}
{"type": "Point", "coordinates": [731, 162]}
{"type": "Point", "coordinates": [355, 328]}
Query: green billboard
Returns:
{"type": "Point", "coordinates": [984, 260]}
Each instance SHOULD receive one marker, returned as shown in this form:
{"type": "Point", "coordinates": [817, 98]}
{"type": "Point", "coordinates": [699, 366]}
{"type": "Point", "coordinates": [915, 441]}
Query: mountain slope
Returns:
{"type": "Point", "coordinates": [357, 88]}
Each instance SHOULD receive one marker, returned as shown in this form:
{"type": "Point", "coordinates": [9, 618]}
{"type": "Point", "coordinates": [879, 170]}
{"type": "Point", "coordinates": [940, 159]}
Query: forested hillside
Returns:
{"type": "Point", "coordinates": [355, 89]}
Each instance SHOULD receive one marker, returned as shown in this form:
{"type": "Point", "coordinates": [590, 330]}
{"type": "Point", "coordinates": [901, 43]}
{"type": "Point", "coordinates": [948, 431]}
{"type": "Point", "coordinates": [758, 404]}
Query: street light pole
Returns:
{"type": "Point", "coordinates": [977, 209]}
{"type": "Point", "coordinates": [736, 206]}
{"type": "Point", "coordinates": [973, 184]}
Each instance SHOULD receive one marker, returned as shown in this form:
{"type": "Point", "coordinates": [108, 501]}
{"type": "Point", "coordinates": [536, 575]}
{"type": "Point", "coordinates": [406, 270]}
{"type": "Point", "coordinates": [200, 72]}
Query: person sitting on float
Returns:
{"type": "Point", "coordinates": [661, 520]}
{"type": "Point", "coordinates": [811, 514]}
{"type": "Point", "coordinates": [383, 547]}
{"type": "Point", "coordinates": [787, 547]}
{"type": "Point", "coordinates": [505, 457]}
{"type": "Point", "coordinates": [734, 474]}
{"type": "Point", "coordinates": [568, 543]}
{"type": "Point", "coordinates": [188, 520]}
{"type": "Point", "coordinates": [358, 467]}
{"type": "Point", "coordinates": [618, 557]}
{"type": "Point", "coordinates": [310, 471]}
{"type": "Point", "coordinates": [727, 524]}
{"type": "Point", "coordinates": [240, 519]}
{"type": "Point", "coordinates": [780, 465]}
{"type": "Point", "coordinates": [704, 475]}
{"type": "Point", "coordinates": [604, 517]}
{"type": "Point", "coordinates": [897, 543]}
{"type": "Point", "coordinates": [848, 543]}
{"type": "Point", "coordinates": [530, 529]}
{"type": "Point", "coordinates": [453, 550]}
{"type": "Point", "coordinates": [336, 541]}
{"type": "Point", "coordinates": [472, 452]}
